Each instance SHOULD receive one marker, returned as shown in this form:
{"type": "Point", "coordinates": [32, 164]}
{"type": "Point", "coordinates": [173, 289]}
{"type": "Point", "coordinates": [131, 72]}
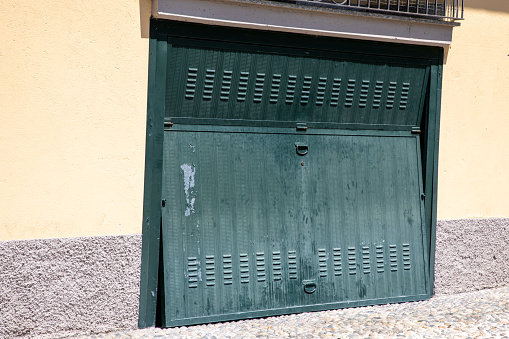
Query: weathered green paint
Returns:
{"type": "Point", "coordinates": [235, 192]}
{"type": "Point", "coordinates": [248, 221]}
{"type": "Point", "coordinates": [153, 178]}
{"type": "Point", "coordinates": [432, 154]}
{"type": "Point", "coordinates": [333, 89]}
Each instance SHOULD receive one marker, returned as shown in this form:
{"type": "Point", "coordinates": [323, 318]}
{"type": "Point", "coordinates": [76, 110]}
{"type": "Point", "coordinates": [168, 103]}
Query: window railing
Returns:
{"type": "Point", "coordinates": [436, 9]}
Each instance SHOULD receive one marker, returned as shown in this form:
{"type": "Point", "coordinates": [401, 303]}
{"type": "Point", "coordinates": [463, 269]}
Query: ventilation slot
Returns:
{"type": "Point", "coordinates": [337, 261]}
{"type": "Point", "coordinates": [192, 75]}
{"type": "Point", "coordinates": [210, 270]}
{"type": "Point", "coordinates": [226, 85]}
{"type": "Point", "coordinates": [336, 88]}
{"type": "Point", "coordinates": [276, 266]}
{"type": "Point", "coordinates": [393, 257]}
{"type": "Point", "coordinates": [391, 95]}
{"type": "Point", "coordinates": [306, 89]}
{"type": "Point", "coordinates": [290, 90]}
{"type": "Point", "coordinates": [260, 266]}
{"type": "Point", "coordinates": [192, 272]}
{"type": "Point", "coordinates": [378, 94]}
{"type": "Point", "coordinates": [379, 258]}
{"type": "Point", "coordinates": [244, 268]}
{"type": "Point", "coordinates": [322, 262]}
{"type": "Point", "coordinates": [274, 91]}
{"type": "Point", "coordinates": [366, 263]}
{"type": "Point", "coordinates": [406, 257]}
{"type": "Point", "coordinates": [227, 269]}
{"type": "Point", "coordinates": [364, 94]}
{"type": "Point", "coordinates": [352, 264]}
{"type": "Point", "coordinates": [292, 264]}
{"type": "Point", "coordinates": [243, 82]}
{"type": "Point", "coordinates": [258, 94]}
{"type": "Point", "coordinates": [350, 91]}
{"type": "Point", "coordinates": [320, 94]}
{"type": "Point", "coordinates": [209, 84]}
{"type": "Point", "coordinates": [404, 95]}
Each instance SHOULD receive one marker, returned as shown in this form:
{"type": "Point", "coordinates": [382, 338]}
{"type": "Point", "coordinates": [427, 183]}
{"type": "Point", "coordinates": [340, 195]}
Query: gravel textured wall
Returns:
{"type": "Point", "coordinates": [471, 254]}
{"type": "Point", "coordinates": [53, 288]}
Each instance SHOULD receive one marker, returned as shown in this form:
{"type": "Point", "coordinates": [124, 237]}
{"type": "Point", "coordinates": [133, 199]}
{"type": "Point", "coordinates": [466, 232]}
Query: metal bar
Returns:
{"type": "Point", "coordinates": [436, 9]}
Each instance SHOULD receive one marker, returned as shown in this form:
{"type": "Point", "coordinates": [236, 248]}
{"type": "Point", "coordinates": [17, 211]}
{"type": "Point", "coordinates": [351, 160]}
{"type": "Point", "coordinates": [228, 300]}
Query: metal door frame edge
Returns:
{"type": "Point", "coordinates": [296, 309]}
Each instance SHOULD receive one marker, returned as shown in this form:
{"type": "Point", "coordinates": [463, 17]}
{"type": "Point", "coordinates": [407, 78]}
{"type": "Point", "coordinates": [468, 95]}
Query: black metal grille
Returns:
{"type": "Point", "coordinates": [436, 9]}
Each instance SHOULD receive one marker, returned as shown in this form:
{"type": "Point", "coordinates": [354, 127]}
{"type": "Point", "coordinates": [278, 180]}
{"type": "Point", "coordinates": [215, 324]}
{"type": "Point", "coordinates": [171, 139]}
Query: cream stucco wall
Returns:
{"type": "Point", "coordinates": [474, 138]}
{"type": "Point", "coordinates": [73, 108]}
{"type": "Point", "coordinates": [73, 84]}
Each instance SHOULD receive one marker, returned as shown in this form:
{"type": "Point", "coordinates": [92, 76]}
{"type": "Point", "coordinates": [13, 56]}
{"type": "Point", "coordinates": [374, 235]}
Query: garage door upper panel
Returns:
{"type": "Point", "coordinates": [214, 85]}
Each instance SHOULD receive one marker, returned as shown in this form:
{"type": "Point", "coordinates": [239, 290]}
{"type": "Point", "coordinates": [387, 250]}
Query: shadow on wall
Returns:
{"type": "Point", "coordinates": [489, 5]}
{"type": "Point", "coordinates": [145, 13]}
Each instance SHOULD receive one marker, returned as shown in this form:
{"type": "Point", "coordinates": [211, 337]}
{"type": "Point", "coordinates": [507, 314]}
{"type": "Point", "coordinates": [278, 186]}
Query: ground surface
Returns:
{"type": "Point", "coordinates": [481, 314]}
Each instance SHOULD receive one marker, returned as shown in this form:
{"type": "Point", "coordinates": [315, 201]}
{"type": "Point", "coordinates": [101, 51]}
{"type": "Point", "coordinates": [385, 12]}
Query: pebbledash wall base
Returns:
{"type": "Point", "coordinates": [54, 288]}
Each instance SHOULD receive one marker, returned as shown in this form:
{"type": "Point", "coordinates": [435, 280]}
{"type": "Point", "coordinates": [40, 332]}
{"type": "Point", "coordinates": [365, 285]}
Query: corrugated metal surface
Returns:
{"type": "Point", "coordinates": [251, 228]}
{"type": "Point", "coordinates": [239, 83]}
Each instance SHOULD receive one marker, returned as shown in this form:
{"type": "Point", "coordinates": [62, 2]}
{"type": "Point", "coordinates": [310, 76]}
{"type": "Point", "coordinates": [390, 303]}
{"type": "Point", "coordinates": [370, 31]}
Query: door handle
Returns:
{"type": "Point", "coordinates": [309, 286]}
{"type": "Point", "coordinates": [301, 148]}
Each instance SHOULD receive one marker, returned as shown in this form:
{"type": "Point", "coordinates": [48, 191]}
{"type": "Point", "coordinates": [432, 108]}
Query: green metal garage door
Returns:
{"type": "Point", "coordinates": [251, 228]}
{"type": "Point", "coordinates": [292, 180]}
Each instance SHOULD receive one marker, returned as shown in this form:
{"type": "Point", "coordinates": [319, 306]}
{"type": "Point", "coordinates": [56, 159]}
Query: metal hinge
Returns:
{"type": "Point", "coordinates": [168, 124]}
{"type": "Point", "coordinates": [301, 127]}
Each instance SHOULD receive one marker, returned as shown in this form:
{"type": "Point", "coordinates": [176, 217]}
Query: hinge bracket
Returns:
{"type": "Point", "coordinates": [168, 124]}
{"type": "Point", "coordinates": [301, 127]}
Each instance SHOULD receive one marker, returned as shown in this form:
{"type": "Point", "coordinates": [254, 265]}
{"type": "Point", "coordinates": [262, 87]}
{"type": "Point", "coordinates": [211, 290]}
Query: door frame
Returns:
{"type": "Point", "coordinates": [150, 308]}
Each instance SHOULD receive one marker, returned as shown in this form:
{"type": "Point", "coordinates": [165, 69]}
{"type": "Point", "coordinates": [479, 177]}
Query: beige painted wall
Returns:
{"type": "Point", "coordinates": [73, 108]}
{"type": "Point", "coordinates": [73, 84]}
{"type": "Point", "coordinates": [474, 144]}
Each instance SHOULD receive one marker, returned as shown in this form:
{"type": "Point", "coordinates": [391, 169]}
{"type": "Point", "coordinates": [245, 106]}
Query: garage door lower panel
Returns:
{"type": "Point", "coordinates": [266, 221]}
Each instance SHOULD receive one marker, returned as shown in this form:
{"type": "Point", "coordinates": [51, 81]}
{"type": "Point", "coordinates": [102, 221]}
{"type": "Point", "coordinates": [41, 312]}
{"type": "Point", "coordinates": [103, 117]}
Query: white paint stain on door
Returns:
{"type": "Point", "coordinates": [189, 172]}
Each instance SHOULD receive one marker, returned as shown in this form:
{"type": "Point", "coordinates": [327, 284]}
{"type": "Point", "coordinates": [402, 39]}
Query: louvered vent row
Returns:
{"type": "Point", "coordinates": [312, 91]}
{"type": "Point", "coordinates": [234, 85]}
{"type": "Point", "coordinates": [283, 268]}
